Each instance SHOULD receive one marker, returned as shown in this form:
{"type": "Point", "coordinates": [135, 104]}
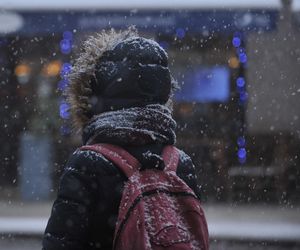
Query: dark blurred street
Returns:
{"type": "Point", "coordinates": [230, 226]}
{"type": "Point", "coordinates": [27, 243]}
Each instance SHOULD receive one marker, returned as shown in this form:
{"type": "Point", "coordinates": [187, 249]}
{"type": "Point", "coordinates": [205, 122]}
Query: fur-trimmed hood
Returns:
{"type": "Point", "coordinates": [117, 70]}
{"type": "Point", "coordinates": [84, 70]}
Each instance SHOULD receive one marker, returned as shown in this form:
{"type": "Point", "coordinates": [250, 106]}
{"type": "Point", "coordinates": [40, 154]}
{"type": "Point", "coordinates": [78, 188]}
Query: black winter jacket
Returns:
{"type": "Point", "coordinates": [84, 214]}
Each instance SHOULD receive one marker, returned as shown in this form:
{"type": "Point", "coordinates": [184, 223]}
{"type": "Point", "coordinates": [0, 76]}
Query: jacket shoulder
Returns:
{"type": "Point", "coordinates": [186, 171]}
{"type": "Point", "coordinates": [88, 161]}
{"type": "Point", "coordinates": [185, 164]}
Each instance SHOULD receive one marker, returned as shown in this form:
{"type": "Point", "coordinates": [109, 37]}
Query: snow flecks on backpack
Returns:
{"type": "Point", "coordinates": [166, 202]}
{"type": "Point", "coordinates": [158, 209]}
{"type": "Point", "coordinates": [163, 220]}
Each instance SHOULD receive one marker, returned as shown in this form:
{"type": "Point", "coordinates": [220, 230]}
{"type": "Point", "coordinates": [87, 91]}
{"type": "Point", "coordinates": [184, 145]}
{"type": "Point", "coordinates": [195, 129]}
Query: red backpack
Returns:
{"type": "Point", "coordinates": [158, 210]}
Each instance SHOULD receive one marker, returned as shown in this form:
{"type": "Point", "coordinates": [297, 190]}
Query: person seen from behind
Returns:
{"type": "Point", "coordinates": [127, 186]}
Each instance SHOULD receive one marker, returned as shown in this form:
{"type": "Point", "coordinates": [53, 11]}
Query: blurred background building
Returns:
{"type": "Point", "coordinates": [238, 110]}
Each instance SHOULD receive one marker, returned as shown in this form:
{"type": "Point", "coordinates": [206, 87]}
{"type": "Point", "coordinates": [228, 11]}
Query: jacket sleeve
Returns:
{"type": "Point", "coordinates": [68, 225]}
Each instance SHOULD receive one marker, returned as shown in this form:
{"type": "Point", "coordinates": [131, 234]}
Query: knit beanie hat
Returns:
{"type": "Point", "coordinates": [134, 73]}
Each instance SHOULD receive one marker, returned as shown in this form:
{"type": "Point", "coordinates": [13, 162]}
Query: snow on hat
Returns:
{"type": "Point", "coordinates": [118, 70]}
{"type": "Point", "coordinates": [134, 73]}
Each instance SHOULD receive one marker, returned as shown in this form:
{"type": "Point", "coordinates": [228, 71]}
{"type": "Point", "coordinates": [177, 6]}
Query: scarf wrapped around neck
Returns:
{"type": "Point", "coordinates": [136, 126]}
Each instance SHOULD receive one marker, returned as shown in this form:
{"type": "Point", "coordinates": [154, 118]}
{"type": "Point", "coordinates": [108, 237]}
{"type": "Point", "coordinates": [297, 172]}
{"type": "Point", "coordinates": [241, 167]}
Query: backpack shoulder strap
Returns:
{"type": "Point", "coordinates": [170, 156]}
{"type": "Point", "coordinates": [120, 157]}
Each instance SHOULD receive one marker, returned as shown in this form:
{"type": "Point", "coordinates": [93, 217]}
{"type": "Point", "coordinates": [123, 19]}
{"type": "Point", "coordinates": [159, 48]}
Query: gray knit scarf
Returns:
{"type": "Point", "coordinates": [133, 126]}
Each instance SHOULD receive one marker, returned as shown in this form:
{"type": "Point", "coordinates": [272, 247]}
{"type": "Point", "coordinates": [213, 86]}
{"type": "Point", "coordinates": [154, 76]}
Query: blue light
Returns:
{"type": "Point", "coordinates": [64, 110]}
{"type": "Point", "coordinates": [243, 57]}
{"type": "Point", "coordinates": [68, 35]}
{"type": "Point", "coordinates": [242, 153]}
{"type": "Point", "coordinates": [180, 33]}
{"type": "Point", "coordinates": [65, 70]}
{"type": "Point", "coordinates": [62, 84]}
{"type": "Point", "coordinates": [236, 41]}
{"type": "Point", "coordinates": [65, 46]}
{"type": "Point", "coordinates": [241, 141]}
{"type": "Point", "coordinates": [67, 67]}
{"type": "Point", "coordinates": [243, 96]}
{"type": "Point", "coordinates": [240, 82]}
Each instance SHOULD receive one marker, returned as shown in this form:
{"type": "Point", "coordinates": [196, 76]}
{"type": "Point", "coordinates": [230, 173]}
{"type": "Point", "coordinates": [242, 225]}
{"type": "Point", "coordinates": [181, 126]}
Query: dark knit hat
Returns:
{"type": "Point", "coordinates": [134, 73]}
{"type": "Point", "coordinates": [116, 70]}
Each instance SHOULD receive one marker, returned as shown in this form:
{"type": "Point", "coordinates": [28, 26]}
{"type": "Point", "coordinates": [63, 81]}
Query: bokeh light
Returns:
{"type": "Point", "coordinates": [65, 70]}
{"type": "Point", "coordinates": [236, 41]}
{"type": "Point", "coordinates": [22, 70]}
{"type": "Point", "coordinates": [233, 62]}
{"type": "Point", "coordinates": [180, 33]}
{"type": "Point", "coordinates": [240, 82]}
{"type": "Point", "coordinates": [52, 69]}
{"type": "Point", "coordinates": [243, 57]}
{"type": "Point", "coordinates": [243, 96]}
{"type": "Point", "coordinates": [65, 46]}
{"type": "Point", "coordinates": [242, 153]}
{"type": "Point", "coordinates": [64, 110]}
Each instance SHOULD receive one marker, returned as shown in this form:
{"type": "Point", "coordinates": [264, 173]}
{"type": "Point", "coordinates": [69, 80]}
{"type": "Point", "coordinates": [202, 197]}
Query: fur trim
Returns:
{"type": "Point", "coordinates": [83, 70]}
